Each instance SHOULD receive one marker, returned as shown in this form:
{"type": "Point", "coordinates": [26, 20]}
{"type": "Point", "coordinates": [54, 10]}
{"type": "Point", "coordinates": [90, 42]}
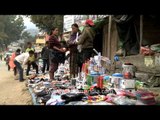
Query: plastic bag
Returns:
{"type": "Point", "coordinates": [122, 100]}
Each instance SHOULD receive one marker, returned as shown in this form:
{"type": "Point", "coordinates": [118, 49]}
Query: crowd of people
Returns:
{"type": "Point", "coordinates": [80, 47]}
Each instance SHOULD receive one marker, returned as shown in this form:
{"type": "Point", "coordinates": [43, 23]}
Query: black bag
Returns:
{"type": "Point", "coordinates": [69, 97]}
{"type": "Point", "coordinates": [57, 56]}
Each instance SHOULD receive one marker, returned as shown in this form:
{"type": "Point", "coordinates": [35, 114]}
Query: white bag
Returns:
{"type": "Point", "coordinates": [79, 47]}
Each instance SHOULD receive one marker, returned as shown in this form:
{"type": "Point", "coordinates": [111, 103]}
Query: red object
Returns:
{"type": "Point", "coordinates": [146, 51]}
{"type": "Point", "coordinates": [146, 97]}
{"type": "Point", "coordinates": [90, 22]}
{"type": "Point", "coordinates": [100, 82]}
{"type": "Point", "coordinates": [127, 75]}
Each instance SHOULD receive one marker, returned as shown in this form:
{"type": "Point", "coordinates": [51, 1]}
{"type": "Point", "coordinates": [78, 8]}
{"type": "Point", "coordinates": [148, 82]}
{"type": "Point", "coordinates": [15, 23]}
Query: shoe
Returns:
{"type": "Point", "coordinates": [22, 80]}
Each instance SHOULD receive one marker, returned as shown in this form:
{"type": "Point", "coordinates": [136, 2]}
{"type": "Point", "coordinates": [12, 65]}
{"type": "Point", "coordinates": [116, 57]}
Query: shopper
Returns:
{"type": "Point", "coordinates": [56, 52]}
{"type": "Point", "coordinates": [22, 60]}
{"type": "Point", "coordinates": [32, 59]}
{"type": "Point", "coordinates": [45, 57]}
{"type": "Point", "coordinates": [11, 62]}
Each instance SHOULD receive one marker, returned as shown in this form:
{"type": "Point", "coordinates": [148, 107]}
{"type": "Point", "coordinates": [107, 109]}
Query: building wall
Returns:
{"type": "Point", "coordinates": [151, 30]}
{"type": "Point", "coordinates": [110, 46]}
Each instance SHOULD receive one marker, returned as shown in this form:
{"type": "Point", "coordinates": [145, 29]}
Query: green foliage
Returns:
{"type": "Point", "coordinates": [47, 22]}
{"type": "Point", "coordinates": [11, 27]}
{"type": "Point", "coordinates": [99, 24]}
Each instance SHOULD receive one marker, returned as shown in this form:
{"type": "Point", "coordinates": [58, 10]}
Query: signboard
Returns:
{"type": "Point", "coordinates": [71, 19]}
{"type": "Point", "coordinates": [68, 21]}
{"type": "Point", "coordinates": [79, 19]}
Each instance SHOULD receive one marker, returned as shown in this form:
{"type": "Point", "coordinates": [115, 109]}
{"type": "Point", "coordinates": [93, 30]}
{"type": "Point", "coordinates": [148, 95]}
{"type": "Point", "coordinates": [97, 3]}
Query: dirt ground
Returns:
{"type": "Point", "coordinates": [12, 92]}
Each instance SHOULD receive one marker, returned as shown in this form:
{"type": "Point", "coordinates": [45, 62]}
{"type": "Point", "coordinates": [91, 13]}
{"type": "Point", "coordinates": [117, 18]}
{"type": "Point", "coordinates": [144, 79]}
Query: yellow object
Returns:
{"type": "Point", "coordinates": [40, 41]}
{"type": "Point", "coordinates": [33, 57]}
{"type": "Point", "coordinates": [28, 49]}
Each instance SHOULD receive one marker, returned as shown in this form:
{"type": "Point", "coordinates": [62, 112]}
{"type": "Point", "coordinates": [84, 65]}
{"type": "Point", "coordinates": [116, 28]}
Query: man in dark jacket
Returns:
{"type": "Point", "coordinates": [86, 40]}
{"type": "Point", "coordinates": [45, 57]}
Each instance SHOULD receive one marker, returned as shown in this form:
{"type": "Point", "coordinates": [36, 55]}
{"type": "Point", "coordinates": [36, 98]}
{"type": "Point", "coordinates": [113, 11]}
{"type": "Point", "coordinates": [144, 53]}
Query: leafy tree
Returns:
{"type": "Point", "coordinates": [11, 27]}
{"type": "Point", "coordinates": [46, 22]}
{"type": "Point", "coordinates": [14, 27]}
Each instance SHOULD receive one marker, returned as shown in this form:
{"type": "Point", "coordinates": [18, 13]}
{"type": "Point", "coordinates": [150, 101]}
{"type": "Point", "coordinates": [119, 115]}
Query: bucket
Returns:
{"type": "Point", "coordinates": [128, 68]}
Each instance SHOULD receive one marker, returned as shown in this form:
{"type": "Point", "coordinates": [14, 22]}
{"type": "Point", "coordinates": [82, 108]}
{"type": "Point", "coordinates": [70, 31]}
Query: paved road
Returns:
{"type": "Point", "coordinates": [12, 92]}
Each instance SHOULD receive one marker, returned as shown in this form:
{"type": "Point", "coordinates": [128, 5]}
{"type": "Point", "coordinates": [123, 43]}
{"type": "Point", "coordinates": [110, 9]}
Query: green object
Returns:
{"type": "Point", "coordinates": [89, 80]}
{"type": "Point", "coordinates": [139, 84]}
{"type": "Point", "coordinates": [155, 47]}
{"type": "Point", "coordinates": [81, 28]}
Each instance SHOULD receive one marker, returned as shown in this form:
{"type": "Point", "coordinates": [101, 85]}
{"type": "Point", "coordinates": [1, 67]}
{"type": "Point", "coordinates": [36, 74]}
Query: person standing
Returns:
{"type": "Point", "coordinates": [0, 56]}
{"type": "Point", "coordinates": [11, 62]}
{"type": "Point", "coordinates": [75, 61]}
{"type": "Point", "coordinates": [7, 62]}
{"type": "Point", "coordinates": [45, 57]}
{"type": "Point", "coordinates": [86, 40]}
{"type": "Point", "coordinates": [56, 52]}
{"type": "Point", "coordinates": [22, 60]}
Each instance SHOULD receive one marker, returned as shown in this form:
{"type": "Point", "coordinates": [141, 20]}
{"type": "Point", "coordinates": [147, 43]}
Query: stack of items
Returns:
{"type": "Point", "coordinates": [128, 74]}
{"type": "Point", "coordinates": [93, 71]}
{"type": "Point", "coordinates": [95, 87]}
{"type": "Point", "coordinates": [62, 71]}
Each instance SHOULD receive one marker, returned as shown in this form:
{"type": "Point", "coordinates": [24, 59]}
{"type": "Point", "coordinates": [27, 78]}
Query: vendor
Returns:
{"type": "Point", "coordinates": [86, 40]}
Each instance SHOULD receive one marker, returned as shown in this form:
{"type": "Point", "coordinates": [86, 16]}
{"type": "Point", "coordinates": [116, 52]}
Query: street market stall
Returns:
{"type": "Point", "coordinates": [92, 87]}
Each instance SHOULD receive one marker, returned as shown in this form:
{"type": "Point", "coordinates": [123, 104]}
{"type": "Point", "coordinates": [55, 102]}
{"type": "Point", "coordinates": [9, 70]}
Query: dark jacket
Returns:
{"type": "Point", "coordinates": [86, 38]}
{"type": "Point", "coordinates": [53, 41]}
{"type": "Point", "coordinates": [45, 53]}
{"type": "Point", "coordinates": [72, 46]}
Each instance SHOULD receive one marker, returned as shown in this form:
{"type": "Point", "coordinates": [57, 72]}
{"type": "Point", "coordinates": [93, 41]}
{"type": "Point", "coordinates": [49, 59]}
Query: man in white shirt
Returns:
{"type": "Point", "coordinates": [22, 60]}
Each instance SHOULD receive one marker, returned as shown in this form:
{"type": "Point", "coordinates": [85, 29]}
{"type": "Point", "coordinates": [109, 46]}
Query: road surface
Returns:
{"type": "Point", "coordinates": [12, 92]}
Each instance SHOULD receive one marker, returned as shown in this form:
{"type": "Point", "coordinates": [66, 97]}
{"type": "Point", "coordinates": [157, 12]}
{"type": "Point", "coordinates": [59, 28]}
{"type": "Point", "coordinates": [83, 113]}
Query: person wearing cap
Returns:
{"type": "Point", "coordinates": [86, 40]}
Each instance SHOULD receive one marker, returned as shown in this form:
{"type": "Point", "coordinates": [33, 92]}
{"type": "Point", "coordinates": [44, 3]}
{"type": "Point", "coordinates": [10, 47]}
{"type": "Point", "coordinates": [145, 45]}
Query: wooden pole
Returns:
{"type": "Point", "coordinates": [109, 39]}
{"type": "Point", "coordinates": [141, 31]}
{"type": "Point", "coordinates": [109, 36]}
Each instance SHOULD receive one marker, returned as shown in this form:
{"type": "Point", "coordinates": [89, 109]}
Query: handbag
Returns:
{"type": "Point", "coordinates": [57, 56]}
